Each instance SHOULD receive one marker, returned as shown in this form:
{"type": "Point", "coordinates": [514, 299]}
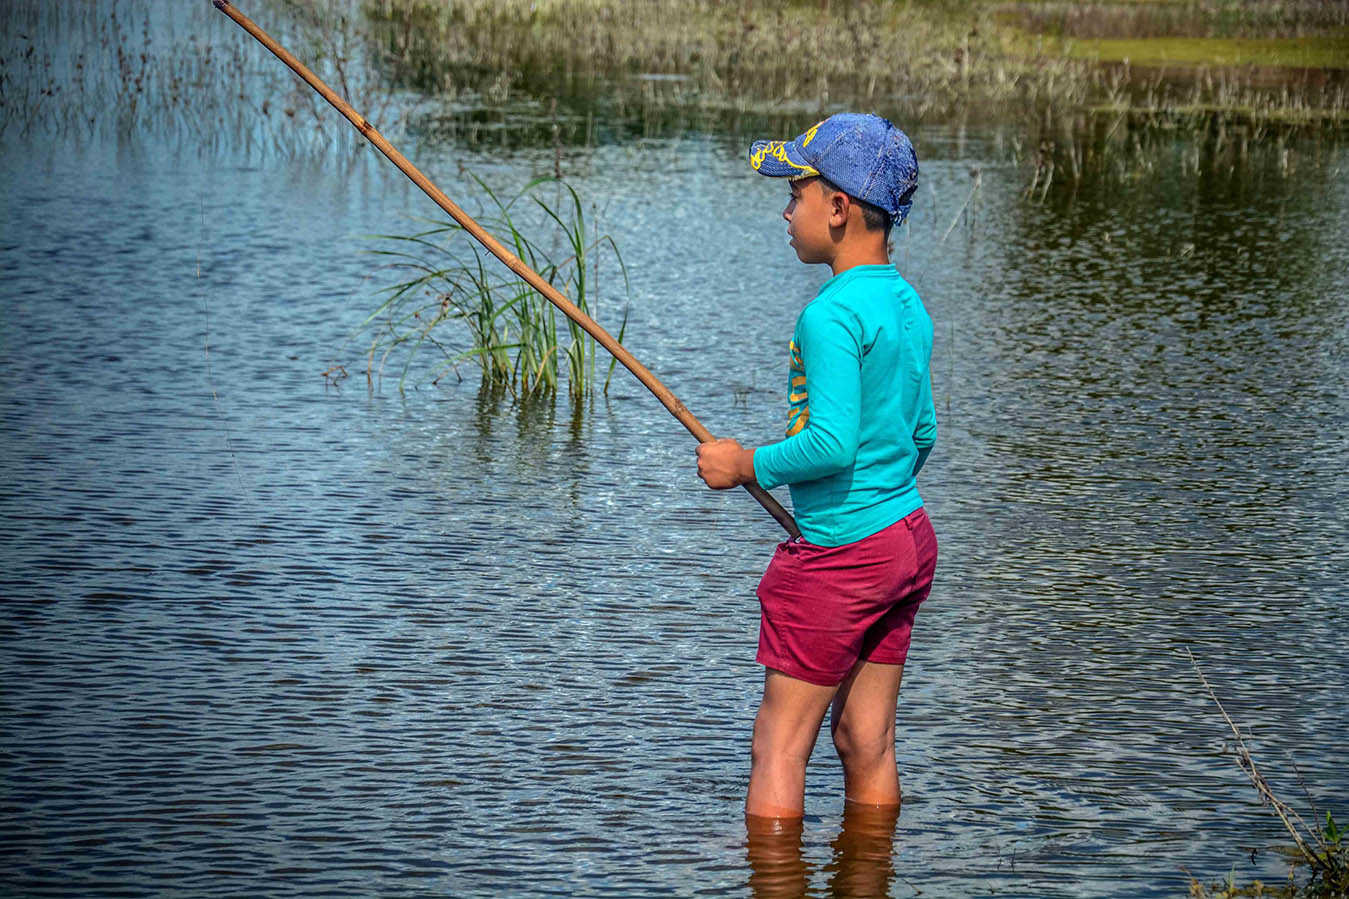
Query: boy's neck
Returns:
{"type": "Point", "coordinates": [852, 256]}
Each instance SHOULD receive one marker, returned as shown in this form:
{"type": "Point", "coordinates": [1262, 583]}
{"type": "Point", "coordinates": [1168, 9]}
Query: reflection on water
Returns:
{"type": "Point", "coordinates": [861, 864]}
{"type": "Point", "coordinates": [863, 861]}
{"type": "Point", "coordinates": [773, 849]}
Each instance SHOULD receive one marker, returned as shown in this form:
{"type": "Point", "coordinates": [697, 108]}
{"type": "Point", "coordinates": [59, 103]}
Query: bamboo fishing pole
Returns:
{"type": "Point", "coordinates": [513, 262]}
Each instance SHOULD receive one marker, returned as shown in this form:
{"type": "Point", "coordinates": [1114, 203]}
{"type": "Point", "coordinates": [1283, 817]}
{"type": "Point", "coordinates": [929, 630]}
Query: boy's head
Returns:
{"type": "Point", "coordinates": [864, 156]}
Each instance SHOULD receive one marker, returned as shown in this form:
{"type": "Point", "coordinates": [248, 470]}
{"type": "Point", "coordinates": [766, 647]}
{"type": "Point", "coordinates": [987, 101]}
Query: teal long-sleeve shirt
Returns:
{"type": "Point", "coordinates": [860, 418]}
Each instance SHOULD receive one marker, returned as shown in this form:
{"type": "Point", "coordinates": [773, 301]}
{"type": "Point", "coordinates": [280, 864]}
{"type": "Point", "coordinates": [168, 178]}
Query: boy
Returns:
{"type": "Point", "coordinates": [838, 605]}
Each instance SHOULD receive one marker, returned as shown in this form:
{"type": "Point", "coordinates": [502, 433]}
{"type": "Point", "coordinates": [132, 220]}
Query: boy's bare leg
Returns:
{"type": "Point", "coordinates": [784, 734]}
{"type": "Point", "coordinates": [862, 721]}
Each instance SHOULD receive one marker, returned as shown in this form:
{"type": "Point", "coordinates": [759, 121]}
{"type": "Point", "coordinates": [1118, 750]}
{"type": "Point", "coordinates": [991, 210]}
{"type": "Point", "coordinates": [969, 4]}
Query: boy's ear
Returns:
{"type": "Point", "coordinates": [839, 204]}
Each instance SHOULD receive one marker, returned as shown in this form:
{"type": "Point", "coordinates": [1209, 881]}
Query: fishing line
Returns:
{"type": "Point", "coordinates": [978, 178]}
{"type": "Point", "coordinates": [206, 345]}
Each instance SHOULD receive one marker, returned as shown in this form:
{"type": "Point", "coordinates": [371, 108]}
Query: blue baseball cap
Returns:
{"type": "Point", "coordinates": [864, 155]}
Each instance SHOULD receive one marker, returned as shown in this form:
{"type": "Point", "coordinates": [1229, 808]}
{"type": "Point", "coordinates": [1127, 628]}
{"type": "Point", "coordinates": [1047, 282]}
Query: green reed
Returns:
{"type": "Point", "coordinates": [467, 308]}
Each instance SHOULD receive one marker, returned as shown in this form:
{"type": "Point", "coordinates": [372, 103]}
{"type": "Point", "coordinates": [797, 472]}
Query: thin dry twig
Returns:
{"type": "Point", "coordinates": [1285, 813]}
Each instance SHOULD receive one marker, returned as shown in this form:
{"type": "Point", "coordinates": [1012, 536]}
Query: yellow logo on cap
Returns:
{"type": "Point", "coordinates": [778, 150]}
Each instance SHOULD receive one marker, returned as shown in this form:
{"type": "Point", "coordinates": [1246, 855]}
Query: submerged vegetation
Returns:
{"type": "Point", "coordinates": [468, 309]}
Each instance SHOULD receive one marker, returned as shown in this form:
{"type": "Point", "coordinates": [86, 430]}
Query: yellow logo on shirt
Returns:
{"type": "Point", "coordinates": [798, 412]}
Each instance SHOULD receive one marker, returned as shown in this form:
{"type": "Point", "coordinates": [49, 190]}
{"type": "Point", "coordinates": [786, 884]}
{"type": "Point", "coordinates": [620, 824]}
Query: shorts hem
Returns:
{"type": "Point", "coordinates": [884, 661]}
{"type": "Point", "coordinates": [810, 677]}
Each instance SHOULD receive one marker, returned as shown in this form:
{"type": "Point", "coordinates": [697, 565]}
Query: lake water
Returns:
{"type": "Point", "coordinates": [266, 635]}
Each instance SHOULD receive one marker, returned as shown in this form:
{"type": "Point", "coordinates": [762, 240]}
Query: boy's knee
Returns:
{"type": "Point", "coordinates": [862, 745]}
{"type": "Point", "coordinates": [767, 748]}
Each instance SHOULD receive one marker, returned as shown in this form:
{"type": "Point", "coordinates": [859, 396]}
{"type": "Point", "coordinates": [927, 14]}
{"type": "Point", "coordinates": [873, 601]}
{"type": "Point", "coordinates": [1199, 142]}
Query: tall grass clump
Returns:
{"type": "Point", "coordinates": [457, 300]}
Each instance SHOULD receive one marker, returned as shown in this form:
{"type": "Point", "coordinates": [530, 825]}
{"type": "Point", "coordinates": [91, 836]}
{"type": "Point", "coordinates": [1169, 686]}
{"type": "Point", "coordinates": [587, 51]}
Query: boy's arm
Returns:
{"type": "Point", "coordinates": [925, 431]}
{"type": "Point", "coordinates": [828, 443]}
{"type": "Point", "coordinates": [923, 452]}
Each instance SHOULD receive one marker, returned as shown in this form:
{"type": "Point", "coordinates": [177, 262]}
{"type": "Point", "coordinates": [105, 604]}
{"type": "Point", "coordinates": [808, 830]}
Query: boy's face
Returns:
{"type": "Point", "coordinates": [809, 215]}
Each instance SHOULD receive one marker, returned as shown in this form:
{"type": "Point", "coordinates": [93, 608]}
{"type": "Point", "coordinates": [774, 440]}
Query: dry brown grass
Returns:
{"type": "Point", "coordinates": [745, 52]}
{"type": "Point", "coordinates": [919, 55]}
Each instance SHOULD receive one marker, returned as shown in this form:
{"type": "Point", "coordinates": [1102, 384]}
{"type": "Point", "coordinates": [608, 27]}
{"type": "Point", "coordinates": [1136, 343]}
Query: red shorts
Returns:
{"type": "Point", "coordinates": [825, 607]}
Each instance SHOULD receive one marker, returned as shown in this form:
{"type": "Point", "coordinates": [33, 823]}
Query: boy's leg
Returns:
{"type": "Point", "coordinates": [784, 734]}
{"type": "Point", "coordinates": [864, 851]}
{"type": "Point", "coordinates": [862, 722]}
{"type": "Point", "coordinates": [776, 866]}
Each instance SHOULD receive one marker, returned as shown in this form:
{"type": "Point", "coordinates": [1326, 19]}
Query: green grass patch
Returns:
{"type": "Point", "coordinates": [1325, 52]}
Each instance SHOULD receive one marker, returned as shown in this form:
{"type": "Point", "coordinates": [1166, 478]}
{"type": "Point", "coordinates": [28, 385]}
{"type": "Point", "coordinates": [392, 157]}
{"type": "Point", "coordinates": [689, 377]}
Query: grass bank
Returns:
{"type": "Point", "coordinates": [919, 55]}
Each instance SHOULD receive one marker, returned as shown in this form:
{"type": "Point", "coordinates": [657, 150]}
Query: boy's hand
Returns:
{"type": "Point", "coordinates": [724, 463]}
